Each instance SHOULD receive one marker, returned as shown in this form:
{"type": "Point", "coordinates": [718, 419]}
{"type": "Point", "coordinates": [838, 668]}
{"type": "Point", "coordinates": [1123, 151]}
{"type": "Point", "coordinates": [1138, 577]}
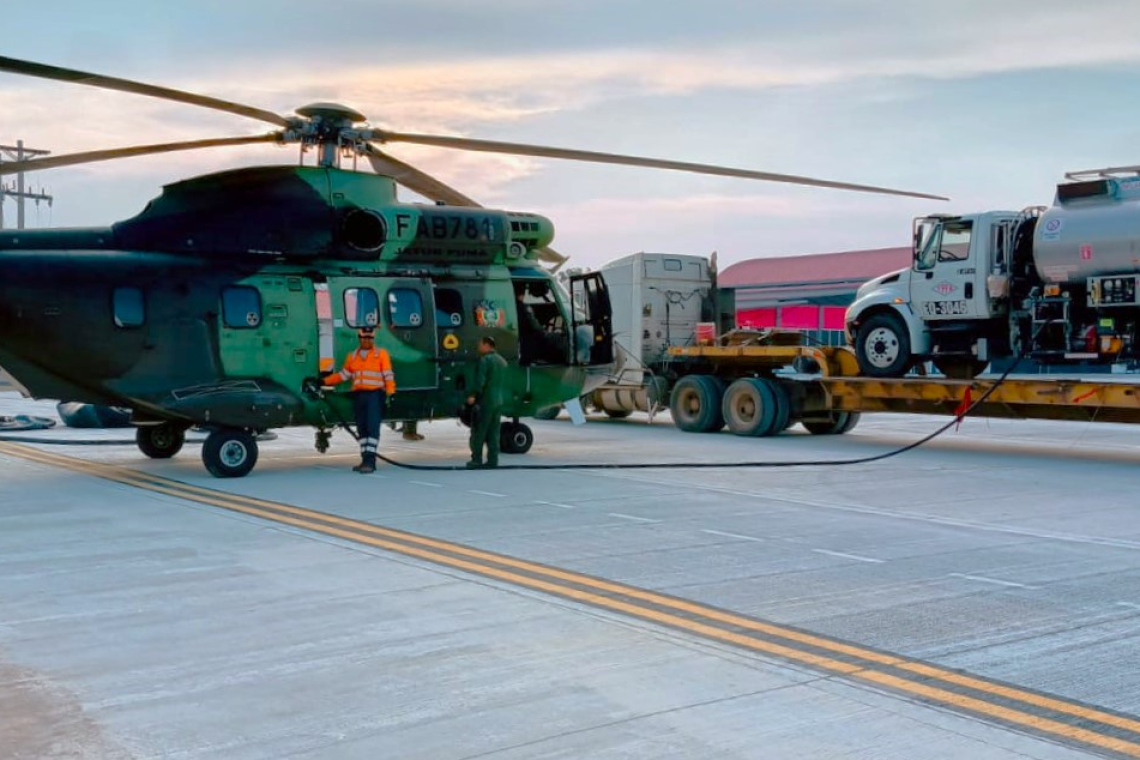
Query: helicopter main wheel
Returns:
{"type": "Point", "coordinates": [160, 441]}
{"type": "Point", "coordinates": [515, 438]}
{"type": "Point", "coordinates": [229, 453]}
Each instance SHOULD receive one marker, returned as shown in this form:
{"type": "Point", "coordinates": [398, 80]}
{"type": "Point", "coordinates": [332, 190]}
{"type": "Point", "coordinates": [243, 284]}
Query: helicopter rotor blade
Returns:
{"type": "Point", "coordinates": [431, 188]}
{"type": "Point", "coordinates": [543, 151]}
{"type": "Point", "coordinates": [416, 180]}
{"type": "Point", "coordinates": [87, 157]}
{"type": "Point", "coordinates": [58, 73]}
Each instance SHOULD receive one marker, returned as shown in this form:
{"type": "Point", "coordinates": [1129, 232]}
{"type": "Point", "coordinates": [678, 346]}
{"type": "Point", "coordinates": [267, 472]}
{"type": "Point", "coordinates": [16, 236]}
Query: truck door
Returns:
{"type": "Point", "coordinates": [946, 266]}
{"type": "Point", "coordinates": [591, 330]}
{"type": "Point", "coordinates": [402, 311]}
{"type": "Point", "coordinates": [266, 329]}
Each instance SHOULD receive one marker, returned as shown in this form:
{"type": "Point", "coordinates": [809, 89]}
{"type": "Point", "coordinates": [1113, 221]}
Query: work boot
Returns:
{"type": "Point", "coordinates": [491, 465]}
{"type": "Point", "coordinates": [473, 465]}
{"type": "Point", "coordinates": [410, 436]}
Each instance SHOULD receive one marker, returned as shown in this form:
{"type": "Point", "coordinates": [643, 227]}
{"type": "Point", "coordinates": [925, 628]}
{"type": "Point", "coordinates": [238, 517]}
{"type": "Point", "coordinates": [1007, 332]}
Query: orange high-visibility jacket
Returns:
{"type": "Point", "coordinates": [369, 371]}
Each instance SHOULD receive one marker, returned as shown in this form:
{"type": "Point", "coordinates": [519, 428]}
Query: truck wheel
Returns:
{"type": "Point", "coordinates": [229, 453]}
{"type": "Point", "coordinates": [882, 347]}
{"type": "Point", "coordinates": [696, 404]}
{"type": "Point", "coordinates": [756, 407]}
{"type": "Point", "coordinates": [160, 441]}
{"type": "Point", "coordinates": [515, 438]}
{"type": "Point", "coordinates": [837, 423]}
{"type": "Point", "coordinates": [960, 367]}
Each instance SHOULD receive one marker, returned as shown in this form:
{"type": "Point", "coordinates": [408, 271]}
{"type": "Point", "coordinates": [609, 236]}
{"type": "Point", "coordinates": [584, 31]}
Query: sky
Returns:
{"type": "Point", "coordinates": [989, 103]}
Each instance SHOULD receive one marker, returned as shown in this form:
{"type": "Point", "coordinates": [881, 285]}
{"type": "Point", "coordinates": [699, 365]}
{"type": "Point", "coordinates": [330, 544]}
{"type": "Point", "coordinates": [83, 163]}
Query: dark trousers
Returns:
{"type": "Point", "coordinates": [485, 432]}
{"type": "Point", "coordinates": [369, 408]}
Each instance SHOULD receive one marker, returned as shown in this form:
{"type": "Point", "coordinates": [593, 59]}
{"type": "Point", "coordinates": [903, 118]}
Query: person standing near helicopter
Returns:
{"type": "Point", "coordinates": [373, 386]}
{"type": "Point", "coordinates": [486, 402]}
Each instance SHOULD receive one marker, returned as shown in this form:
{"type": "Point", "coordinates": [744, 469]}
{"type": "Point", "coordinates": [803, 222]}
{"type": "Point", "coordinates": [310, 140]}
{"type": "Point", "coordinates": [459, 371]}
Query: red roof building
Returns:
{"type": "Point", "coordinates": [806, 292]}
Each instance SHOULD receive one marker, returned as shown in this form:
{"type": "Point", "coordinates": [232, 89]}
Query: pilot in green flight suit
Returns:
{"type": "Point", "coordinates": [488, 393]}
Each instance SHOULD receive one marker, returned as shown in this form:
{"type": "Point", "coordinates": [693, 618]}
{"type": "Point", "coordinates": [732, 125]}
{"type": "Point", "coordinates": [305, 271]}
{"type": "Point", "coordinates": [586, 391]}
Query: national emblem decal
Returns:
{"type": "Point", "coordinates": [488, 314]}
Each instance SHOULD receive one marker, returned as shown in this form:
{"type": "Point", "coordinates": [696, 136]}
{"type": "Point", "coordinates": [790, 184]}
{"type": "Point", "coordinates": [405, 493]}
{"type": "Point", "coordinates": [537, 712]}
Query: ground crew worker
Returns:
{"type": "Point", "coordinates": [373, 386]}
{"type": "Point", "coordinates": [487, 399]}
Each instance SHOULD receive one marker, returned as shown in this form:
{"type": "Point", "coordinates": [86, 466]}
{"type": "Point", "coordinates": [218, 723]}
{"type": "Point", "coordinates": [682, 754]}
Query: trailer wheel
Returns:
{"type": "Point", "coordinates": [960, 367]}
{"type": "Point", "coordinates": [882, 346]}
{"type": "Point", "coordinates": [696, 404]}
{"type": "Point", "coordinates": [756, 407]}
{"type": "Point", "coordinates": [618, 414]}
{"type": "Point", "coordinates": [836, 423]}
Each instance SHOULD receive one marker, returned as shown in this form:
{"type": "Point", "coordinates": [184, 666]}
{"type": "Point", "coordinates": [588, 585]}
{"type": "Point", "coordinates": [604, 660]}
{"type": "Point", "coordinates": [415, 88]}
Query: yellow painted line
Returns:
{"type": "Point", "coordinates": [361, 533]}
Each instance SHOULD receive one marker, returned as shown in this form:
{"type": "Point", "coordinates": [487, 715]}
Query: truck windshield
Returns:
{"type": "Point", "coordinates": [927, 233]}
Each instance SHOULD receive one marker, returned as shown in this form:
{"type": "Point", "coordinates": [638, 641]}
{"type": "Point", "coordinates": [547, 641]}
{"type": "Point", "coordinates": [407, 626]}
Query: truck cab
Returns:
{"type": "Point", "coordinates": [951, 305]}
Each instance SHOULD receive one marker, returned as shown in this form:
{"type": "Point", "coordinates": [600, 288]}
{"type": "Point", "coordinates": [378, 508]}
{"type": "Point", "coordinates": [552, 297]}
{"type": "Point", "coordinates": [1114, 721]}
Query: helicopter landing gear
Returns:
{"type": "Point", "coordinates": [322, 441]}
{"type": "Point", "coordinates": [515, 438]}
{"type": "Point", "coordinates": [229, 453]}
{"type": "Point", "coordinates": [160, 441]}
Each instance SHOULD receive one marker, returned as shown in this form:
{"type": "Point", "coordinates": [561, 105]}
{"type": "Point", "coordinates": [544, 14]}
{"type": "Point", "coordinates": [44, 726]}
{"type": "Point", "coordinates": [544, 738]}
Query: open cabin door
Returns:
{"type": "Point", "coordinates": [592, 320]}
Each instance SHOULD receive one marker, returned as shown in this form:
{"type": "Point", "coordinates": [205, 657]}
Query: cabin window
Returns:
{"type": "Point", "coordinates": [128, 307]}
{"type": "Point", "coordinates": [448, 308]}
{"type": "Point", "coordinates": [671, 265]}
{"type": "Point", "coordinates": [361, 307]}
{"type": "Point", "coordinates": [241, 307]}
{"type": "Point", "coordinates": [405, 307]}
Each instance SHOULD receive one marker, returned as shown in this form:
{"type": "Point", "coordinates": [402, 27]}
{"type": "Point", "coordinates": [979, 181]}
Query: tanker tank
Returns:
{"type": "Point", "coordinates": [1092, 229]}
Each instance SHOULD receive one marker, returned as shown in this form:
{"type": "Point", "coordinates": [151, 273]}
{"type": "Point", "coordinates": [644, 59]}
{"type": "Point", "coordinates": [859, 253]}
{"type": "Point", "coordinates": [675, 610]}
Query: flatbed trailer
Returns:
{"type": "Point", "coordinates": [747, 388]}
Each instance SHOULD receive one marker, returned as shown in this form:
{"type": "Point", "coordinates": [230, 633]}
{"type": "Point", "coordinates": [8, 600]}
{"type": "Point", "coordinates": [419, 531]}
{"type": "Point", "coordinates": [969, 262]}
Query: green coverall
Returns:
{"type": "Point", "coordinates": [488, 391]}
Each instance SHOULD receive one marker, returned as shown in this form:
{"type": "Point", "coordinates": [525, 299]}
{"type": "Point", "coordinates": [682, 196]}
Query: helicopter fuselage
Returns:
{"type": "Point", "coordinates": [215, 304]}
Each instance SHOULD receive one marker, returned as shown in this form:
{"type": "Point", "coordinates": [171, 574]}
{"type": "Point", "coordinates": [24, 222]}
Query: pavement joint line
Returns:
{"type": "Point", "coordinates": [632, 517]}
{"type": "Point", "coordinates": [984, 579]}
{"type": "Point", "coordinates": [556, 504]}
{"type": "Point", "coordinates": [425, 483]}
{"type": "Point", "coordinates": [848, 556]}
{"type": "Point", "coordinates": [412, 545]}
{"type": "Point", "coordinates": [732, 535]}
{"type": "Point", "coordinates": [488, 493]}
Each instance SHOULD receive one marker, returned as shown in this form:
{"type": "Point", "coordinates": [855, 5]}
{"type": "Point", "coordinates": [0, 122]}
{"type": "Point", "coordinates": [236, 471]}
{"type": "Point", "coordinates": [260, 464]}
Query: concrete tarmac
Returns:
{"type": "Point", "coordinates": [144, 614]}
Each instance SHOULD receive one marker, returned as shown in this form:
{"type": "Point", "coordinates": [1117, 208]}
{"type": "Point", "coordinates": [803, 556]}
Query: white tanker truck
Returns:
{"type": "Point", "coordinates": [1058, 285]}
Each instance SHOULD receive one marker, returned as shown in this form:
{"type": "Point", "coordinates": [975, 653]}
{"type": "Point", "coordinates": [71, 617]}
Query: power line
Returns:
{"type": "Point", "coordinates": [16, 190]}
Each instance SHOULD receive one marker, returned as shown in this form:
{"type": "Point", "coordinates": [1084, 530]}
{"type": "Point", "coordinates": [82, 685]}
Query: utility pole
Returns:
{"type": "Point", "coordinates": [18, 152]}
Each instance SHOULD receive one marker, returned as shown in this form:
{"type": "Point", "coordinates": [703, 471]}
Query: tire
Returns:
{"type": "Point", "coordinates": [229, 453]}
{"type": "Point", "coordinates": [756, 407]}
{"type": "Point", "coordinates": [837, 423]}
{"type": "Point", "coordinates": [882, 347]}
{"type": "Point", "coordinates": [549, 413]}
{"type": "Point", "coordinates": [960, 367]}
{"type": "Point", "coordinates": [515, 438]}
{"type": "Point", "coordinates": [618, 414]}
{"type": "Point", "coordinates": [696, 404]}
{"type": "Point", "coordinates": [160, 441]}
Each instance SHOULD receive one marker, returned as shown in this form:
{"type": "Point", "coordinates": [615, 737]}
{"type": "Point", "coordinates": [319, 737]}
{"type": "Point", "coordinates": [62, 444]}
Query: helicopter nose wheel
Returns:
{"type": "Point", "coordinates": [515, 438]}
{"type": "Point", "coordinates": [160, 441]}
{"type": "Point", "coordinates": [229, 453]}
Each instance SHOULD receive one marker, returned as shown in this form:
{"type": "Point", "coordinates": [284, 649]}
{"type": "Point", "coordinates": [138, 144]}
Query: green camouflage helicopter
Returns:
{"type": "Point", "coordinates": [213, 305]}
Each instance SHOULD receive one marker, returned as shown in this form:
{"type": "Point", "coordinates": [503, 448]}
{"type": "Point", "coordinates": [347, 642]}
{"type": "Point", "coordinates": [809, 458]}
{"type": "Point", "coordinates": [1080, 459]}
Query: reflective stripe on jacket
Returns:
{"type": "Point", "coordinates": [369, 370]}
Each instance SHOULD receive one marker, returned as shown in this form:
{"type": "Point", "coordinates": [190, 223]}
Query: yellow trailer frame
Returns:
{"type": "Point", "coordinates": [838, 388]}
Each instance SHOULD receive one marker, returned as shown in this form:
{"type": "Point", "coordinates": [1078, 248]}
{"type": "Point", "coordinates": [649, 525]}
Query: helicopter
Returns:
{"type": "Point", "coordinates": [213, 306]}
